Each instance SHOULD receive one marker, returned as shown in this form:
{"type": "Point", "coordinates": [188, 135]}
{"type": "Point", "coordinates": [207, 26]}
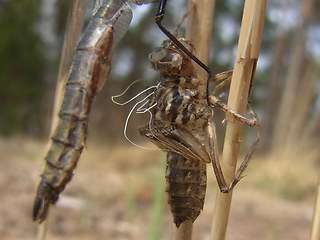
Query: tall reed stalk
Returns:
{"type": "Point", "coordinates": [72, 34]}
{"type": "Point", "coordinates": [315, 231]}
{"type": "Point", "coordinates": [242, 79]}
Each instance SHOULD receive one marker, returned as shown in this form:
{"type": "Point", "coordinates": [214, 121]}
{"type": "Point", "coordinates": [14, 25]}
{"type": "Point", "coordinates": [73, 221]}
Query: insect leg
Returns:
{"type": "Point", "coordinates": [250, 122]}
{"type": "Point", "coordinates": [224, 76]}
{"type": "Point", "coordinates": [213, 146]}
{"type": "Point", "coordinates": [246, 160]}
{"type": "Point", "coordinates": [214, 153]}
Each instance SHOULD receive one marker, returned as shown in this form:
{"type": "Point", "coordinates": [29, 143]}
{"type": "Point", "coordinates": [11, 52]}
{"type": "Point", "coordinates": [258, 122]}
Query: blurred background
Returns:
{"type": "Point", "coordinates": [118, 191]}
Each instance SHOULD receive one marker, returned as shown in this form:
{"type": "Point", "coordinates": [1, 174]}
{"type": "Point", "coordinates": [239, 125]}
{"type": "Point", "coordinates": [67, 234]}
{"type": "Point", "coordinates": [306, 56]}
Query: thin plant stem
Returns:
{"type": "Point", "coordinates": [184, 232]}
{"type": "Point", "coordinates": [242, 80]}
{"type": "Point", "coordinates": [315, 231]}
{"type": "Point", "coordinates": [42, 231]}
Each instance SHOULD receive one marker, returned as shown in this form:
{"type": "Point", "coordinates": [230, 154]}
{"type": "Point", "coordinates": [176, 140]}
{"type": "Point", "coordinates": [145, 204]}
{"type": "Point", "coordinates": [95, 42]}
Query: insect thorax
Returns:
{"type": "Point", "coordinates": [180, 96]}
{"type": "Point", "coordinates": [179, 101]}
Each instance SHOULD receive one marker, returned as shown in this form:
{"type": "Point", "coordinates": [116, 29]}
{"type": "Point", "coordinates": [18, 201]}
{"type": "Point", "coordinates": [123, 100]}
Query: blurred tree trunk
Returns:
{"type": "Point", "coordinates": [293, 81]}
{"type": "Point", "coordinates": [273, 94]}
{"type": "Point", "coordinates": [47, 31]}
{"type": "Point", "coordinates": [313, 127]}
{"type": "Point", "coordinates": [305, 98]}
{"type": "Point", "coordinates": [22, 67]}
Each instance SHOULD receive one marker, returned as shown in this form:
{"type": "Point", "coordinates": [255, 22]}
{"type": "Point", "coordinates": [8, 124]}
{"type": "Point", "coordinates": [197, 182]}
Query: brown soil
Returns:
{"type": "Point", "coordinates": [111, 196]}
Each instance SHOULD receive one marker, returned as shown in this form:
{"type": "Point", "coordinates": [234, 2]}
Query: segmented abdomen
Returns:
{"type": "Point", "coordinates": [89, 72]}
{"type": "Point", "coordinates": [186, 187]}
{"type": "Point", "coordinates": [69, 136]}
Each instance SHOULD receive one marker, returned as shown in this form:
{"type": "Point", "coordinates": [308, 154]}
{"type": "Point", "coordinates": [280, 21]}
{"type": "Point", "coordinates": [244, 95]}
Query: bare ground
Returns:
{"type": "Point", "coordinates": [111, 197]}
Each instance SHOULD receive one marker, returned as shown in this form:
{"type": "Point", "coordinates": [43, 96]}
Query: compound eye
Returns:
{"type": "Point", "coordinates": [157, 55]}
{"type": "Point", "coordinates": [174, 59]}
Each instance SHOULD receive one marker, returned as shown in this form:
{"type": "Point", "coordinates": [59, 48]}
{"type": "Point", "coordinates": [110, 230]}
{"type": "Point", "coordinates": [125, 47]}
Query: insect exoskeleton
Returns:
{"type": "Point", "coordinates": [88, 73]}
{"type": "Point", "coordinates": [180, 113]}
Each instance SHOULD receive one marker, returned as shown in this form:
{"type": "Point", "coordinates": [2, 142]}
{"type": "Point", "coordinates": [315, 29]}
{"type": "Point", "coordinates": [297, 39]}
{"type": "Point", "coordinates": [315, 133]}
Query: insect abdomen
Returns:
{"type": "Point", "coordinates": [186, 187]}
{"type": "Point", "coordinates": [68, 139]}
{"type": "Point", "coordinates": [89, 72]}
{"type": "Point", "coordinates": [67, 142]}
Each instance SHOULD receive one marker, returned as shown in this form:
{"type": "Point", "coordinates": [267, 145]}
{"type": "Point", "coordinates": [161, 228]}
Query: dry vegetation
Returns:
{"type": "Point", "coordinates": [112, 196]}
